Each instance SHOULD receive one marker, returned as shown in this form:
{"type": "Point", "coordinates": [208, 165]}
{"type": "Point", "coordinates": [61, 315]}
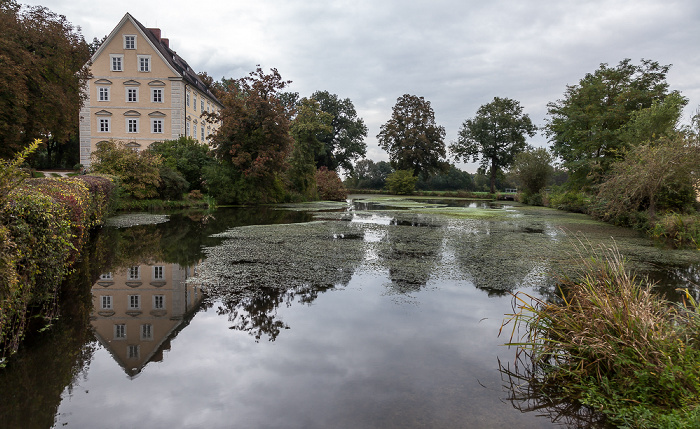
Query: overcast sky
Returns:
{"type": "Point", "coordinates": [459, 55]}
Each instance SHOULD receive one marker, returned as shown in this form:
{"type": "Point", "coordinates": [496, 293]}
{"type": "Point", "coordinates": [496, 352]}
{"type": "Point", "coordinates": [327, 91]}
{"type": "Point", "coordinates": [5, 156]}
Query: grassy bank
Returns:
{"type": "Point", "coordinates": [613, 346]}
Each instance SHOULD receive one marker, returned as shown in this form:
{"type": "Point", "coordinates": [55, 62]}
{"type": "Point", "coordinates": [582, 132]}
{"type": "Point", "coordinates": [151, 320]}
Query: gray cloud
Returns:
{"type": "Point", "coordinates": [456, 54]}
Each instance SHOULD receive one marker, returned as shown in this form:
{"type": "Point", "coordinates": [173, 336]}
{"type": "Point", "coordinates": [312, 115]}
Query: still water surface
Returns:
{"type": "Point", "coordinates": [361, 353]}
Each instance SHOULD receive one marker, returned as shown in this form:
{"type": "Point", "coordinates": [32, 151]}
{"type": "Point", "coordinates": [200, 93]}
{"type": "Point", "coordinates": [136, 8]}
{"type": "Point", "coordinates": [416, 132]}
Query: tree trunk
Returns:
{"type": "Point", "coordinates": [493, 176]}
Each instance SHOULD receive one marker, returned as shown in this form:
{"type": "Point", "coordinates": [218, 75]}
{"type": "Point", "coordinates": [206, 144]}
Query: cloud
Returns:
{"type": "Point", "coordinates": [458, 55]}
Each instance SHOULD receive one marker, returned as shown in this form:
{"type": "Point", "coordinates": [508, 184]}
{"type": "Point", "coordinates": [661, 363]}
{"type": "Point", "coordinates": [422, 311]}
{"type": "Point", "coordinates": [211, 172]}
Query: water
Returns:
{"type": "Point", "coordinates": [375, 349]}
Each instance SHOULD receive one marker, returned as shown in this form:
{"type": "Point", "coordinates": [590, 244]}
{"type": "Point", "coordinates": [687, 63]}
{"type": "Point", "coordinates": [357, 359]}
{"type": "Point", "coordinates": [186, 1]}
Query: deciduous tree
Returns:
{"type": "Point", "coordinates": [43, 69]}
{"type": "Point", "coordinates": [412, 138]}
{"type": "Point", "coordinates": [344, 143]}
{"type": "Point", "coordinates": [254, 139]}
{"type": "Point", "coordinates": [309, 122]}
{"type": "Point", "coordinates": [494, 136]}
{"type": "Point", "coordinates": [532, 169]}
{"type": "Point", "coordinates": [587, 126]}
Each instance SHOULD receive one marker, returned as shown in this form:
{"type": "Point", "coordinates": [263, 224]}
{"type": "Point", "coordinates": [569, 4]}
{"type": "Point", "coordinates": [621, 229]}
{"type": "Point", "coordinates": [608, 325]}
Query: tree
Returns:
{"type": "Point", "coordinates": [453, 179]}
{"type": "Point", "coordinates": [494, 136]}
{"type": "Point", "coordinates": [412, 138]}
{"type": "Point", "coordinates": [43, 70]}
{"type": "Point", "coordinates": [369, 175]}
{"type": "Point", "coordinates": [532, 169]}
{"type": "Point", "coordinates": [344, 143]}
{"type": "Point", "coordinates": [401, 182]}
{"type": "Point", "coordinates": [646, 172]}
{"type": "Point", "coordinates": [309, 122]}
{"type": "Point", "coordinates": [587, 127]}
{"type": "Point", "coordinates": [253, 142]}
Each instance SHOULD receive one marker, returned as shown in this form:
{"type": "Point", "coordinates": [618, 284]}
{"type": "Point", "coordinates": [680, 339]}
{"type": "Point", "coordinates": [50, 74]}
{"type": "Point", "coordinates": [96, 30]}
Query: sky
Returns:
{"type": "Point", "coordinates": [458, 55]}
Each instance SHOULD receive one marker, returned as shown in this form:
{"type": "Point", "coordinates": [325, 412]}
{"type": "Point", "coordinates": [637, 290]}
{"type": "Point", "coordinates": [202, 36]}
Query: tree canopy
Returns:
{"type": "Point", "coordinates": [587, 127]}
{"type": "Point", "coordinates": [43, 69]}
{"type": "Point", "coordinates": [254, 135]}
{"type": "Point", "coordinates": [412, 138]}
{"type": "Point", "coordinates": [532, 169]}
{"type": "Point", "coordinates": [494, 136]}
{"type": "Point", "coordinates": [344, 143]}
{"type": "Point", "coordinates": [309, 122]}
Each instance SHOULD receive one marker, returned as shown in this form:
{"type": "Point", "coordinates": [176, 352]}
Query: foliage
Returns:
{"type": "Point", "coordinates": [253, 142]}
{"type": "Point", "coordinates": [401, 182]}
{"type": "Point", "coordinates": [635, 182]}
{"type": "Point", "coordinates": [42, 223]}
{"type": "Point", "coordinates": [532, 169]}
{"type": "Point", "coordinates": [139, 172]}
{"type": "Point", "coordinates": [186, 156]}
{"type": "Point", "coordinates": [570, 201]}
{"type": "Point", "coordinates": [344, 143]}
{"type": "Point", "coordinates": [453, 179]}
{"type": "Point", "coordinates": [306, 126]}
{"type": "Point", "coordinates": [11, 175]}
{"type": "Point", "coordinates": [494, 136]}
{"type": "Point", "coordinates": [228, 186]}
{"type": "Point", "coordinates": [330, 187]}
{"type": "Point", "coordinates": [43, 69]}
{"type": "Point", "coordinates": [412, 138]}
{"type": "Point", "coordinates": [679, 230]}
{"type": "Point", "coordinates": [172, 184]}
{"type": "Point", "coordinates": [369, 175]}
{"type": "Point", "coordinates": [612, 345]}
{"type": "Point", "coordinates": [589, 126]}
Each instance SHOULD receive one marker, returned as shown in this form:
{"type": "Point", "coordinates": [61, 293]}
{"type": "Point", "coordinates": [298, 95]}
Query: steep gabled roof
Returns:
{"type": "Point", "coordinates": [176, 63]}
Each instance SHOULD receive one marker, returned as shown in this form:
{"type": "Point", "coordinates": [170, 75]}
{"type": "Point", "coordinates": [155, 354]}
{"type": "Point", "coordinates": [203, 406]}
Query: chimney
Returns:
{"type": "Point", "coordinates": [156, 32]}
{"type": "Point", "coordinates": [166, 42]}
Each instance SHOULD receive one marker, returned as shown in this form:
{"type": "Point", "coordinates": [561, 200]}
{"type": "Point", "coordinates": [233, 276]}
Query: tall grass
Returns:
{"type": "Point", "coordinates": [612, 345]}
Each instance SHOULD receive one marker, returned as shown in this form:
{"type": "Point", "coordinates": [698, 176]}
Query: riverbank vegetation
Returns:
{"type": "Point", "coordinates": [610, 344]}
{"type": "Point", "coordinates": [43, 225]}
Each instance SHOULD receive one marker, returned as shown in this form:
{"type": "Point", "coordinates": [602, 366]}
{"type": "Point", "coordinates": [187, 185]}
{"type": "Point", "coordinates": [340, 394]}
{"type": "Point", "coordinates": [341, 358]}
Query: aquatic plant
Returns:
{"type": "Point", "coordinates": [609, 343]}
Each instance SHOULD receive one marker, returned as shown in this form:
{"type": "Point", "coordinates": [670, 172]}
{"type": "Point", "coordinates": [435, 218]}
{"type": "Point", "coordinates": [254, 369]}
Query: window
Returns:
{"type": "Point", "coordinates": [120, 331]}
{"type": "Point", "coordinates": [202, 105]}
{"type": "Point", "coordinates": [157, 95]}
{"type": "Point", "coordinates": [187, 96]}
{"type": "Point", "coordinates": [117, 62]}
{"type": "Point", "coordinates": [157, 126]}
{"type": "Point", "coordinates": [107, 276]}
{"type": "Point", "coordinates": [132, 125]}
{"type": "Point", "coordinates": [147, 331]}
{"type": "Point", "coordinates": [134, 302]}
{"type": "Point", "coordinates": [104, 125]}
{"type": "Point", "coordinates": [103, 93]}
{"type": "Point", "coordinates": [134, 273]}
{"type": "Point", "coordinates": [187, 129]}
{"type": "Point", "coordinates": [202, 135]}
{"type": "Point", "coordinates": [195, 102]}
{"type": "Point", "coordinates": [106, 302]}
{"type": "Point", "coordinates": [159, 302]}
{"type": "Point", "coordinates": [158, 273]}
{"type": "Point", "coordinates": [133, 351]}
{"type": "Point", "coordinates": [132, 95]}
{"type": "Point", "coordinates": [144, 63]}
{"type": "Point", "coordinates": [129, 42]}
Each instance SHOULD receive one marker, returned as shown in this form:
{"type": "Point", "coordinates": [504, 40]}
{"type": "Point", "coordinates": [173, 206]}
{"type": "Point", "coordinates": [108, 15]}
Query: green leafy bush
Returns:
{"type": "Point", "coordinates": [679, 230]}
{"type": "Point", "coordinates": [172, 184]}
{"type": "Point", "coordinates": [186, 156]}
{"type": "Point", "coordinates": [139, 172]}
{"type": "Point", "coordinates": [571, 201]}
{"type": "Point", "coordinates": [401, 182]}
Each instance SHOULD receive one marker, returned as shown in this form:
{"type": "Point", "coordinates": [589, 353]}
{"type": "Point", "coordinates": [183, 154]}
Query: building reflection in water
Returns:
{"type": "Point", "coordinates": [138, 310]}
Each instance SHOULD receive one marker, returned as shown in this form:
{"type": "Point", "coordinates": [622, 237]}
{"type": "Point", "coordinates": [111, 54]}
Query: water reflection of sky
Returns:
{"type": "Point", "coordinates": [357, 357]}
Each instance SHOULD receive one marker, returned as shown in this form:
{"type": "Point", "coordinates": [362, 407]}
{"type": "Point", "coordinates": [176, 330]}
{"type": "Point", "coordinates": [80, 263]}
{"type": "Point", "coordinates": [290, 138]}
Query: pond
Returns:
{"type": "Point", "coordinates": [374, 313]}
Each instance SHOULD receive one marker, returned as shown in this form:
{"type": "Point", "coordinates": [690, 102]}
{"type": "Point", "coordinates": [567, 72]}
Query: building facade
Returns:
{"type": "Point", "coordinates": [141, 92]}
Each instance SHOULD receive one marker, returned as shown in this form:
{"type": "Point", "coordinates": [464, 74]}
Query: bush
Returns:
{"type": "Point", "coordinates": [570, 201]}
{"type": "Point", "coordinates": [329, 185]}
{"type": "Point", "coordinates": [43, 224]}
{"type": "Point", "coordinates": [139, 172]}
{"type": "Point", "coordinates": [186, 156]}
{"type": "Point", "coordinates": [401, 182]}
{"type": "Point", "coordinates": [679, 230]}
{"type": "Point", "coordinates": [612, 345]}
{"type": "Point", "coordinates": [172, 184]}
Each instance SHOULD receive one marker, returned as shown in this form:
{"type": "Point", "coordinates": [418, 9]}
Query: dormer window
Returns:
{"type": "Point", "coordinates": [129, 42]}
